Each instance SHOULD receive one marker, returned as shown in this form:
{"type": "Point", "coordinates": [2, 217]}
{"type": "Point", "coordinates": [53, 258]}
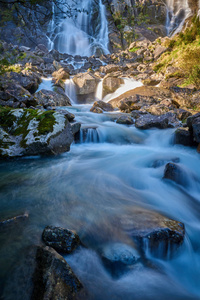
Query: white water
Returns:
{"type": "Point", "coordinates": [177, 12]}
{"type": "Point", "coordinates": [129, 84]}
{"type": "Point", "coordinates": [74, 34]}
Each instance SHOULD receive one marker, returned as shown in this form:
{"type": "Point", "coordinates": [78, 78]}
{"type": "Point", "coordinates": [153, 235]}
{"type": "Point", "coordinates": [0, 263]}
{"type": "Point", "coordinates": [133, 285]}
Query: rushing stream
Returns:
{"type": "Point", "coordinates": [115, 168]}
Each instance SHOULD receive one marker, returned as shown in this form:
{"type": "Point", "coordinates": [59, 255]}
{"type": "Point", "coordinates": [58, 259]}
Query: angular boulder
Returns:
{"type": "Point", "coordinates": [168, 120]}
{"type": "Point", "coordinates": [86, 84]}
{"type": "Point", "coordinates": [125, 119]}
{"type": "Point", "coordinates": [33, 132]}
{"type": "Point", "coordinates": [102, 105]}
{"type": "Point", "coordinates": [48, 98]}
{"type": "Point", "coordinates": [61, 239]}
{"type": "Point", "coordinates": [111, 84]}
{"type": "Point", "coordinates": [184, 137]}
{"type": "Point", "coordinates": [193, 123]}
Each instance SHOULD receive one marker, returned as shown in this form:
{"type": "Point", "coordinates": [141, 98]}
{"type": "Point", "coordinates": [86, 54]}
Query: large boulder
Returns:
{"type": "Point", "coordinates": [42, 274]}
{"type": "Point", "coordinates": [111, 84]}
{"type": "Point", "coordinates": [86, 85]}
{"type": "Point", "coordinates": [33, 132]}
{"type": "Point", "coordinates": [50, 98]}
{"type": "Point", "coordinates": [152, 231]}
{"type": "Point", "coordinates": [125, 119]}
{"type": "Point", "coordinates": [168, 120]}
{"type": "Point", "coordinates": [61, 239]}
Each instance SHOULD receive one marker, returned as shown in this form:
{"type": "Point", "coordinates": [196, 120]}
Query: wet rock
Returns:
{"type": "Point", "coordinates": [62, 240]}
{"type": "Point", "coordinates": [175, 173]}
{"type": "Point", "coordinates": [124, 119]}
{"type": "Point", "coordinates": [167, 120]}
{"type": "Point", "coordinates": [102, 105]}
{"type": "Point", "coordinates": [50, 98]}
{"type": "Point", "coordinates": [75, 128]}
{"type": "Point", "coordinates": [184, 137]}
{"type": "Point", "coordinates": [42, 274]}
{"type": "Point", "coordinates": [33, 132]}
{"type": "Point", "coordinates": [118, 258]}
{"type": "Point", "coordinates": [153, 232]}
{"type": "Point", "coordinates": [67, 114]}
{"type": "Point", "coordinates": [193, 123]}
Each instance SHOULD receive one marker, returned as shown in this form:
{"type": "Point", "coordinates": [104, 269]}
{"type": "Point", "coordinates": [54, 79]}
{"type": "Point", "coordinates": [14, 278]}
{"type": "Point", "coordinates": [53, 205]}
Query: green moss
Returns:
{"type": "Point", "coordinates": [134, 49]}
{"type": "Point", "coordinates": [46, 121]}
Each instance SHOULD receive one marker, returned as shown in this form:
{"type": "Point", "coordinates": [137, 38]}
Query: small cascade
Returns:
{"type": "Point", "coordinates": [99, 91]}
{"type": "Point", "coordinates": [84, 32]}
{"type": "Point", "coordinates": [87, 135]}
{"type": "Point", "coordinates": [177, 12]}
{"type": "Point", "coordinates": [70, 90]}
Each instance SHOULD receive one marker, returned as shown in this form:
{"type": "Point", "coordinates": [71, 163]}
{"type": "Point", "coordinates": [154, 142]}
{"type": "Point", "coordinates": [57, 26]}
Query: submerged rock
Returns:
{"type": "Point", "coordinates": [33, 132]}
{"type": "Point", "coordinates": [14, 220]}
{"type": "Point", "coordinates": [168, 120]}
{"type": "Point", "coordinates": [119, 258]}
{"type": "Point", "coordinates": [153, 232]}
{"type": "Point", "coordinates": [62, 240]}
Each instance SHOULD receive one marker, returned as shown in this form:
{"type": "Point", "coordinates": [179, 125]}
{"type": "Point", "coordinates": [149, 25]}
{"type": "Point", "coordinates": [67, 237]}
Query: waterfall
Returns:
{"type": "Point", "coordinates": [84, 32]}
{"type": "Point", "coordinates": [70, 90]}
{"type": "Point", "coordinates": [177, 12]}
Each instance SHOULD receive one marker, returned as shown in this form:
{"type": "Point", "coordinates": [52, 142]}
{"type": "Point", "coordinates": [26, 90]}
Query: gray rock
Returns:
{"type": "Point", "coordinates": [167, 120]}
{"type": "Point", "coordinates": [33, 132]}
{"type": "Point", "coordinates": [125, 119]}
{"type": "Point", "coordinates": [111, 84]}
{"type": "Point", "coordinates": [62, 240]}
{"type": "Point", "coordinates": [102, 105]}
{"type": "Point", "coordinates": [193, 123]}
{"type": "Point", "coordinates": [50, 98]}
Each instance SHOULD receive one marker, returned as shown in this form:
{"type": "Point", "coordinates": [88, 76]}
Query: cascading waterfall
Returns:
{"type": "Point", "coordinates": [177, 12]}
{"type": "Point", "coordinates": [75, 34]}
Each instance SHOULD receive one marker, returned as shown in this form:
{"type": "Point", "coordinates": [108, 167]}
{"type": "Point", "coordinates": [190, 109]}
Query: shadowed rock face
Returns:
{"type": "Point", "coordinates": [42, 274]}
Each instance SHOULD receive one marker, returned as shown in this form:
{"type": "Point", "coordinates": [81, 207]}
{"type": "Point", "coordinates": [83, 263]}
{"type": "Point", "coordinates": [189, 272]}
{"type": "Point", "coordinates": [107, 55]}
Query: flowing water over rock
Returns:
{"type": "Point", "coordinates": [177, 12]}
{"type": "Point", "coordinates": [83, 31]}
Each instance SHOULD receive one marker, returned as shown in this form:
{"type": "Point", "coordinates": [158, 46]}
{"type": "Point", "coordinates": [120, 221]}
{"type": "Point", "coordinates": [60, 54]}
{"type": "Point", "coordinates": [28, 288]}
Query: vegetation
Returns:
{"type": "Point", "coordinates": [184, 54]}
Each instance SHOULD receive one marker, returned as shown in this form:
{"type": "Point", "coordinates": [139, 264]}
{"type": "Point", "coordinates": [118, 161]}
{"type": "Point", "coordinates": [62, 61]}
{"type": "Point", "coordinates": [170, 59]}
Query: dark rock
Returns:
{"type": "Point", "coordinates": [62, 240]}
{"type": "Point", "coordinates": [167, 120]}
{"type": "Point", "coordinates": [50, 98]}
{"type": "Point", "coordinates": [175, 173]}
{"type": "Point", "coordinates": [152, 231]}
{"type": "Point", "coordinates": [125, 120]}
{"type": "Point", "coordinates": [184, 137]}
{"type": "Point", "coordinates": [102, 105]}
{"type": "Point", "coordinates": [193, 123]}
{"type": "Point", "coordinates": [75, 128]}
{"type": "Point", "coordinates": [42, 274]}
{"type": "Point", "coordinates": [67, 114]}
